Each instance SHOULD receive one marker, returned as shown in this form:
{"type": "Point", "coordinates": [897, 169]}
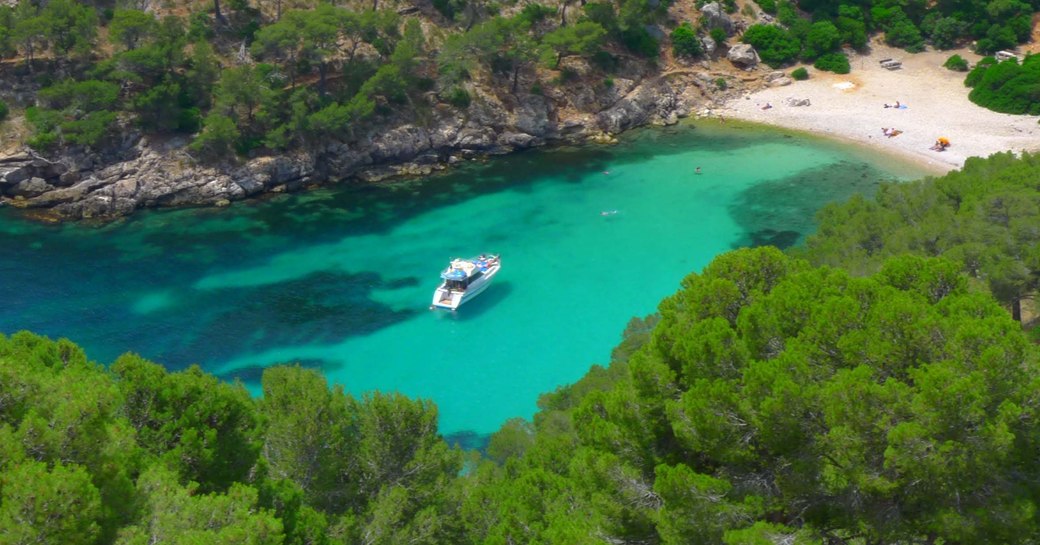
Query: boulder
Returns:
{"type": "Point", "coordinates": [774, 75]}
{"type": "Point", "coordinates": [717, 17]}
{"type": "Point", "coordinates": [517, 140]}
{"type": "Point", "coordinates": [743, 56]}
{"type": "Point", "coordinates": [400, 144]}
{"type": "Point", "coordinates": [708, 43]}
{"type": "Point", "coordinates": [532, 117]}
{"type": "Point", "coordinates": [791, 101]}
{"type": "Point", "coordinates": [31, 188]}
{"type": "Point", "coordinates": [781, 82]}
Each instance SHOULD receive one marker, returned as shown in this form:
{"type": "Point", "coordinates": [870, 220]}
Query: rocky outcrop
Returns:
{"type": "Point", "coordinates": [149, 173]}
{"type": "Point", "coordinates": [778, 79]}
{"type": "Point", "coordinates": [743, 56]}
{"type": "Point", "coordinates": [716, 17]}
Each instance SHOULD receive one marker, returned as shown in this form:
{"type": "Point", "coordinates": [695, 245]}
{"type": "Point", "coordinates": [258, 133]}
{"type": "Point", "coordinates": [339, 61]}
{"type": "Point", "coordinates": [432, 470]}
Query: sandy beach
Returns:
{"type": "Point", "coordinates": [852, 107]}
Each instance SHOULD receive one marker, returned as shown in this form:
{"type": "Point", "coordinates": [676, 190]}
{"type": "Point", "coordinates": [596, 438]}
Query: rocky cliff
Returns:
{"type": "Point", "coordinates": [147, 172]}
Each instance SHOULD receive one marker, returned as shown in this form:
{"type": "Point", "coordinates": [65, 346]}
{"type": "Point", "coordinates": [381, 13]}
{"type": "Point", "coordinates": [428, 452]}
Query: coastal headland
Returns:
{"type": "Point", "coordinates": [934, 103]}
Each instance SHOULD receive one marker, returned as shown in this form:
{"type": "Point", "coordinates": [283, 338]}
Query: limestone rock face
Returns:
{"type": "Point", "coordinates": [743, 56]}
{"type": "Point", "coordinates": [654, 100]}
{"type": "Point", "coordinates": [532, 117]}
{"type": "Point", "coordinates": [708, 43]}
{"type": "Point", "coordinates": [717, 17]}
{"type": "Point", "coordinates": [141, 171]}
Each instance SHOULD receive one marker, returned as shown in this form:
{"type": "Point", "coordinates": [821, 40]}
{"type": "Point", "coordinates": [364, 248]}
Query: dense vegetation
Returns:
{"type": "Point", "coordinates": [1006, 87]}
{"type": "Point", "coordinates": [993, 26]}
{"type": "Point", "coordinates": [250, 75]}
{"type": "Point", "coordinates": [983, 217]}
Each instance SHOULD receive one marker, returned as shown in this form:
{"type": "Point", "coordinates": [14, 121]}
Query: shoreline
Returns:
{"type": "Point", "coordinates": [850, 108]}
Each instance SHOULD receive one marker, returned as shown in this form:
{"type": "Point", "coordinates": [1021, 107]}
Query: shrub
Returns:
{"type": "Point", "coordinates": [604, 61]}
{"type": "Point", "coordinates": [823, 37]}
{"type": "Point", "coordinates": [901, 32]}
{"type": "Point", "coordinates": [721, 84]}
{"type": "Point", "coordinates": [685, 42]}
{"type": "Point", "coordinates": [3, 110]}
{"type": "Point", "coordinates": [1007, 87]}
{"type": "Point", "coordinates": [719, 35]}
{"type": "Point", "coordinates": [833, 62]}
{"type": "Point", "coordinates": [775, 45]}
{"type": "Point", "coordinates": [459, 98]}
{"type": "Point", "coordinates": [640, 42]}
{"type": "Point", "coordinates": [608, 82]}
{"type": "Point", "coordinates": [956, 63]}
{"type": "Point", "coordinates": [944, 32]}
{"type": "Point", "coordinates": [218, 137]}
{"type": "Point", "coordinates": [768, 6]}
{"type": "Point", "coordinates": [800, 74]}
{"type": "Point", "coordinates": [975, 76]}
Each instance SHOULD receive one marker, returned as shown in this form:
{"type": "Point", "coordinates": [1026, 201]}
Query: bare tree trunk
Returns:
{"type": "Point", "coordinates": [219, 14]}
{"type": "Point", "coordinates": [1016, 310]}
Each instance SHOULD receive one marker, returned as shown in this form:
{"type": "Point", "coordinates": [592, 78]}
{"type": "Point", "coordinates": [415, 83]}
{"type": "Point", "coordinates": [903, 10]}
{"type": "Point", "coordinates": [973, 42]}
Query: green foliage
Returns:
{"type": "Point", "coordinates": [768, 6]}
{"type": "Point", "coordinates": [582, 38]}
{"type": "Point", "coordinates": [901, 32]}
{"type": "Point", "coordinates": [638, 40]}
{"type": "Point", "coordinates": [458, 97]}
{"type": "Point", "coordinates": [130, 26]}
{"type": "Point", "coordinates": [71, 26]}
{"type": "Point", "coordinates": [833, 62]}
{"type": "Point", "coordinates": [685, 42]}
{"type": "Point", "coordinates": [775, 45]}
{"type": "Point", "coordinates": [944, 32]}
{"type": "Point", "coordinates": [977, 217]}
{"type": "Point", "coordinates": [1007, 87]}
{"type": "Point", "coordinates": [852, 25]}
{"type": "Point", "coordinates": [85, 96]}
{"type": "Point", "coordinates": [721, 84]}
{"type": "Point", "coordinates": [718, 35]}
{"type": "Point", "coordinates": [800, 74]}
{"type": "Point", "coordinates": [218, 137]}
{"type": "Point", "coordinates": [956, 63]}
{"type": "Point", "coordinates": [74, 113]}
{"type": "Point", "coordinates": [48, 505]}
{"type": "Point", "coordinates": [205, 429]}
{"type": "Point", "coordinates": [823, 38]}
{"type": "Point", "coordinates": [3, 110]}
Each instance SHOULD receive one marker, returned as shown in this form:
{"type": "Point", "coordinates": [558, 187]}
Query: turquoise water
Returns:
{"type": "Point", "coordinates": [340, 279]}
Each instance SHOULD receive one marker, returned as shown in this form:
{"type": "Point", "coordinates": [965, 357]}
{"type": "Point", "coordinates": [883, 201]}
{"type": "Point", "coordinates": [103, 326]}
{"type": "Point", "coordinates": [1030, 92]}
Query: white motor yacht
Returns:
{"type": "Point", "coordinates": [464, 279]}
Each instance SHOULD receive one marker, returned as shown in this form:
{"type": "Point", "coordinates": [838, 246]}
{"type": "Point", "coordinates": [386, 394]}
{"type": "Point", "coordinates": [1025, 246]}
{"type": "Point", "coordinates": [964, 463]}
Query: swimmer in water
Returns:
{"type": "Point", "coordinates": [697, 170]}
{"type": "Point", "coordinates": [608, 212]}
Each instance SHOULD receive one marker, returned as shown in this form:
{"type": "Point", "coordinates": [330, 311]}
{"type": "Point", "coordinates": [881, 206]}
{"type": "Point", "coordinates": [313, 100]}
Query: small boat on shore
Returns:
{"type": "Point", "coordinates": [464, 279]}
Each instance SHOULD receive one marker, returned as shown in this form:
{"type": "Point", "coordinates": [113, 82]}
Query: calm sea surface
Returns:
{"type": "Point", "coordinates": [340, 279]}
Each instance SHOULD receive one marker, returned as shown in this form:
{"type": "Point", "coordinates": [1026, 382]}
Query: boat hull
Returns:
{"type": "Point", "coordinates": [453, 299]}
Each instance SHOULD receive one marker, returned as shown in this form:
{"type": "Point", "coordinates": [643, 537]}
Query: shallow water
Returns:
{"type": "Point", "coordinates": [340, 279]}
